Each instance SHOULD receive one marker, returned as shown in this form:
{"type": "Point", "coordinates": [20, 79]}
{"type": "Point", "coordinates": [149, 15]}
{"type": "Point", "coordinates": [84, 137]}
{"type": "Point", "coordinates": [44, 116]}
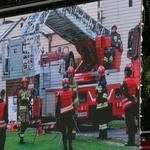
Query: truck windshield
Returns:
{"type": "Point", "coordinates": [82, 97]}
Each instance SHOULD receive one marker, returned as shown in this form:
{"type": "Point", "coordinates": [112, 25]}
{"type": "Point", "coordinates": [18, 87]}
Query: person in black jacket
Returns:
{"type": "Point", "coordinates": [102, 105]}
{"type": "Point", "coordinates": [64, 112]}
{"type": "Point", "coordinates": [3, 120]}
{"type": "Point", "coordinates": [115, 37]}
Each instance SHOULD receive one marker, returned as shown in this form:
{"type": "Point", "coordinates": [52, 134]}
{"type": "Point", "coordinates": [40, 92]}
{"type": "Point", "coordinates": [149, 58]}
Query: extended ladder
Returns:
{"type": "Point", "coordinates": [71, 23]}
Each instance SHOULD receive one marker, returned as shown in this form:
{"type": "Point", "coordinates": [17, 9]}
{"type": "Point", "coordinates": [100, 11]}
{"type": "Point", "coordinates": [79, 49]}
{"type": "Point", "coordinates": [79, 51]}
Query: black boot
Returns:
{"type": "Point", "coordinates": [70, 143]}
{"type": "Point", "coordinates": [128, 144]}
{"type": "Point", "coordinates": [131, 141]}
{"type": "Point", "coordinates": [22, 140]}
{"type": "Point", "coordinates": [100, 136]}
{"type": "Point", "coordinates": [105, 135]}
{"type": "Point", "coordinates": [70, 148]}
{"type": "Point", "coordinates": [65, 146]}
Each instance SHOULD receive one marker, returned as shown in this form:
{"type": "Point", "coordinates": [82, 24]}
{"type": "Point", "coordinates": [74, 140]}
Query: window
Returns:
{"type": "Point", "coordinates": [118, 94]}
{"type": "Point", "coordinates": [82, 97]}
{"type": "Point", "coordinates": [130, 3]}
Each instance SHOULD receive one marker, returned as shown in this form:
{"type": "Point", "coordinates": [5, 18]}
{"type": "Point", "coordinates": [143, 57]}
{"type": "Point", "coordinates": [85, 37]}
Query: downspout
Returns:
{"type": "Point", "coordinates": [98, 11]}
{"type": "Point", "coordinates": [49, 42]}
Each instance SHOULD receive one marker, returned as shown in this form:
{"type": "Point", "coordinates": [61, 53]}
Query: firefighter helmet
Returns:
{"type": "Point", "coordinates": [101, 69]}
{"type": "Point", "coordinates": [70, 70]}
{"type": "Point", "coordinates": [65, 81]}
{"type": "Point", "coordinates": [3, 92]}
{"type": "Point", "coordinates": [114, 25]}
{"type": "Point", "coordinates": [24, 79]}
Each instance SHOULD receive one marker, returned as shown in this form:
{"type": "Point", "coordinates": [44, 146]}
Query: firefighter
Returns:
{"type": "Point", "coordinates": [73, 84]}
{"type": "Point", "coordinates": [102, 104]}
{"type": "Point", "coordinates": [23, 108]}
{"type": "Point", "coordinates": [135, 63]}
{"type": "Point", "coordinates": [3, 120]}
{"type": "Point", "coordinates": [116, 43]}
{"type": "Point", "coordinates": [108, 58]}
{"type": "Point", "coordinates": [64, 112]}
{"type": "Point", "coordinates": [135, 59]}
{"type": "Point", "coordinates": [115, 38]}
{"type": "Point", "coordinates": [129, 90]}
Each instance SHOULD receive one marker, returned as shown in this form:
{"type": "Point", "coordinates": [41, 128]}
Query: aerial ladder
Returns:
{"type": "Point", "coordinates": [77, 27]}
{"type": "Point", "coordinates": [89, 37]}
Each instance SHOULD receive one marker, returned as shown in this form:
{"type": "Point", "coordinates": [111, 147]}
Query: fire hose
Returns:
{"type": "Point", "coordinates": [80, 131]}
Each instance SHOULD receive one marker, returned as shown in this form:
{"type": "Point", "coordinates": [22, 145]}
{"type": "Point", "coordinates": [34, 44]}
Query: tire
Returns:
{"type": "Point", "coordinates": [69, 60]}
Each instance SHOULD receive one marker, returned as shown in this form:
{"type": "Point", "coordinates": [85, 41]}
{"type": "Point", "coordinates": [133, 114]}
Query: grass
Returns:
{"type": "Point", "coordinates": [117, 124]}
{"type": "Point", "coordinates": [45, 142]}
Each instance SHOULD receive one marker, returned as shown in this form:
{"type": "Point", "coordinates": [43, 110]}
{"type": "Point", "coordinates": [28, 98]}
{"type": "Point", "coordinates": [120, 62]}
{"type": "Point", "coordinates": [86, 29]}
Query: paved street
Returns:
{"type": "Point", "coordinates": [113, 133]}
{"type": "Point", "coordinates": [116, 133]}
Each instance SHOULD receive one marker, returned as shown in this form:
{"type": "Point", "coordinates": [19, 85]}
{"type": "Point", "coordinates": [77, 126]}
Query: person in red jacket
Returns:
{"type": "Point", "coordinates": [3, 120]}
{"type": "Point", "coordinates": [129, 90]}
{"type": "Point", "coordinates": [65, 111]}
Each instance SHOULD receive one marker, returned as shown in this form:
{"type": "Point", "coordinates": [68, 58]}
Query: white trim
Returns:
{"type": "Point", "coordinates": [66, 109]}
{"type": "Point", "coordinates": [93, 99]}
{"type": "Point", "coordinates": [110, 94]}
{"type": "Point", "coordinates": [3, 121]}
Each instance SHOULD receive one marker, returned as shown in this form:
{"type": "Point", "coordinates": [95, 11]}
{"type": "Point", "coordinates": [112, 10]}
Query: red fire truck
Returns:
{"type": "Point", "coordinates": [87, 96]}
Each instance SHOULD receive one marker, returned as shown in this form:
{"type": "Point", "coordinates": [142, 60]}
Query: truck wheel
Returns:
{"type": "Point", "coordinates": [69, 59]}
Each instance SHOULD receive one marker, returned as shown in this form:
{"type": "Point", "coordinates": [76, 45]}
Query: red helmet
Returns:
{"type": "Point", "coordinates": [70, 70]}
{"type": "Point", "coordinates": [101, 69]}
{"type": "Point", "coordinates": [24, 79]}
{"type": "Point", "coordinates": [114, 25]}
{"type": "Point", "coordinates": [64, 81]}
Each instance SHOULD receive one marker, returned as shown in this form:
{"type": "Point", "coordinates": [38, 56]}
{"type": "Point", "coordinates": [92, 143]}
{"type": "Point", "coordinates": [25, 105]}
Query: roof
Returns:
{"type": "Point", "coordinates": [5, 29]}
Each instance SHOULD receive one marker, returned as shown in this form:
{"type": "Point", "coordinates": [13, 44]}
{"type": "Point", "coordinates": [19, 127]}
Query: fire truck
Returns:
{"type": "Point", "coordinates": [90, 39]}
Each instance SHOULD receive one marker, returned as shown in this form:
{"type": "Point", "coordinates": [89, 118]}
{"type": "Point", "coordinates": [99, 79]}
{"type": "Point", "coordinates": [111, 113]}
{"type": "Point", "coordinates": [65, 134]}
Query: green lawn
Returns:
{"type": "Point", "coordinates": [45, 142]}
{"type": "Point", "coordinates": [117, 124]}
